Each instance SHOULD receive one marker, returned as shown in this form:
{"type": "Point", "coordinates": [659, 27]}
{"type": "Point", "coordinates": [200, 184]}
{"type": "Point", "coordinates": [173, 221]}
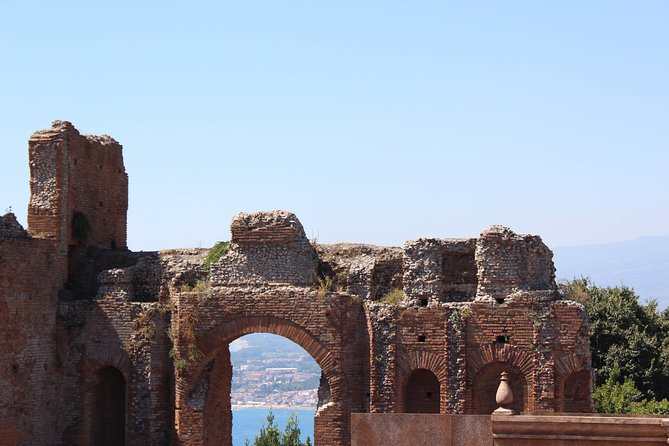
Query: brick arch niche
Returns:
{"type": "Point", "coordinates": [109, 416]}
{"type": "Point", "coordinates": [105, 399]}
{"type": "Point", "coordinates": [422, 392]}
{"type": "Point", "coordinates": [204, 415]}
{"type": "Point", "coordinates": [485, 384]}
{"type": "Point", "coordinates": [422, 376]}
{"type": "Point", "coordinates": [576, 392]}
{"type": "Point", "coordinates": [573, 384]}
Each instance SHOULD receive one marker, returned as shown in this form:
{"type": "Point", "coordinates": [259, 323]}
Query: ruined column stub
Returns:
{"type": "Point", "coordinates": [267, 247]}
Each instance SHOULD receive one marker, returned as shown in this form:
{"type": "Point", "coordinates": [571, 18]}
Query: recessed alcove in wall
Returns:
{"type": "Point", "coordinates": [577, 392]}
{"type": "Point", "coordinates": [485, 386]}
{"type": "Point", "coordinates": [459, 274]}
{"type": "Point", "coordinates": [109, 418]}
{"type": "Point", "coordinates": [386, 277]}
{"type": "Point", "coordinates": [422, 392]}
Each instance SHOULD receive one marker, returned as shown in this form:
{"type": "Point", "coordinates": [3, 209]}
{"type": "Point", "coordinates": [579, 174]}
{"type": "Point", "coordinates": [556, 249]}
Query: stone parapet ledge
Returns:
{"type": "Point", "coordinates": [578, 430]}
{"type": "Point", "coordinates": [419, 429]}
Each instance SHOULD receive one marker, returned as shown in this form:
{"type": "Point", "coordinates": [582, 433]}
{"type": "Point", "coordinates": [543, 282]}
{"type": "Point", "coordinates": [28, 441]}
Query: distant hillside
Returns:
{"type": "Point", "coordinates": [642, 263]}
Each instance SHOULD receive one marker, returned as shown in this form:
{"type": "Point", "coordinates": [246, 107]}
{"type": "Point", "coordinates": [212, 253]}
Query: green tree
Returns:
{"type": "Point", "coordinates": [628, 339]}
{"type": "Point", "coordinates": [616, 397]}
{"type": "Point", "coordinates": [625, 335]}
{"type": "Point", "coordinates": [270, 435]}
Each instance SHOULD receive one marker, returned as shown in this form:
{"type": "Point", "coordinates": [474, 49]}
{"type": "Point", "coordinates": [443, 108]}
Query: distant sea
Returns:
{"type": "Point", "coordinates": [246, 422]}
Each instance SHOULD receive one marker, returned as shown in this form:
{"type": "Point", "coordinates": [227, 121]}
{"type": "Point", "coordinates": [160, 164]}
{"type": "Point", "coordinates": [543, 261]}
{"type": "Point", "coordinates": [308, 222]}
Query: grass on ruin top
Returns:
{"type": "Point", "coordinates": [215, 253]}
{"type": "Point", "coordinates": [394, 296]}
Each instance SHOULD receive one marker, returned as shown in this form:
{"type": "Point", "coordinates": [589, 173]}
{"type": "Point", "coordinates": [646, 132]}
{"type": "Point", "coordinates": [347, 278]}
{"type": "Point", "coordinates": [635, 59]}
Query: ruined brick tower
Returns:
{"type": "Point", "coordinates": [105, 346]}
{"type": "Point", "coordinates": [73, 175]}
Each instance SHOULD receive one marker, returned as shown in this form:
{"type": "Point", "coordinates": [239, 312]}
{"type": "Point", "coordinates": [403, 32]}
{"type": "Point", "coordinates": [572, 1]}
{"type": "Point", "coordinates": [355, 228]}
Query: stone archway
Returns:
{"type": "Point", "coordinates": [203, 401]}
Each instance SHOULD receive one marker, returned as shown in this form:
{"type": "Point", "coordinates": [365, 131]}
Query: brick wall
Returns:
{"type": "Point", "coordinates": [163, 322]}
{"type": "Point", "coordinates": [30, 276]}
{"type": "Point", "coordinates": [71, 173]}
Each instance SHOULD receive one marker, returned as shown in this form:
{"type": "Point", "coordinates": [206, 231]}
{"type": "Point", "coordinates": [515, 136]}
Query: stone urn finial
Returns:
{"type": "Point", "coordinates": [504, 396]}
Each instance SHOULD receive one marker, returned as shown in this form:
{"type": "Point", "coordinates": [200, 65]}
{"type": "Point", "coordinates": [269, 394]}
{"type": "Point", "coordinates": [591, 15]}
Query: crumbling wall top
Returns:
{"type": "Point", "coordinates": [267, 247]}
{"type": "Point", "coordinates": [508, 262]}
{"type": "Point", "coordinates": [273, 227]}
{"type": "Point", "coordinates": [73, 173]}
{"type": "Point", "coordinates": [10, 228]}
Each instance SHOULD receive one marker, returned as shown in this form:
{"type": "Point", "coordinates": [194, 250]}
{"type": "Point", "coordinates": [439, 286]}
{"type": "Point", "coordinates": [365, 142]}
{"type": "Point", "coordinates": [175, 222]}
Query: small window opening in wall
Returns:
{"type": "Point", "coordinates": [421, 338]}
{"type": "Point", "coordinates": [100, 203]}
{"type": "Point", "coordinates": [503, 339]}
{"type": "Point", "coordinates": [423, 302]}
{"type": "Point", "coordinates": [428, 395]}
{"type": "Point", "coordinates": [75, 161]}
{"type": "Point", "coordinates": [15, 369]}
{"type": "Point", "coordinates": [499, 300]}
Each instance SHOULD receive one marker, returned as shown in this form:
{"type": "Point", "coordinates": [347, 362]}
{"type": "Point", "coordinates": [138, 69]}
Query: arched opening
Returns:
{"type": "Point", "coordinates": [422, 392]}
{"type": "Point", "coordinates": [203, 406]}
{"type": "Point", "coordinates": [485, 386]}
{"type": "Point", "coordinates": [577, 392]}
{"type": "Point", "coordinates": [110, 407]}
{"type": "Point", "coordinates": [270, 371]}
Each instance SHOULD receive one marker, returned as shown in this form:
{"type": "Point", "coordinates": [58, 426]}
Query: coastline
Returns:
{"type": "Point", "coordinates": [270, 406]}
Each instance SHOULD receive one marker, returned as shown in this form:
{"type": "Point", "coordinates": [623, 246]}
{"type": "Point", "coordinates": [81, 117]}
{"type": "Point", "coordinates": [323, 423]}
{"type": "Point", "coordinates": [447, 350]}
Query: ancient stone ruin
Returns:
{"type": "Point", "coordinates": [103, 346]}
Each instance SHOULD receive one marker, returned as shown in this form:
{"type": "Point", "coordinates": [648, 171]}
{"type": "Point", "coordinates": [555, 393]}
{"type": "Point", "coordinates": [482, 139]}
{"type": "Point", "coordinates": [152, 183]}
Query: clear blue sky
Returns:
{"type": "Point", "coordinates": [374, 121]}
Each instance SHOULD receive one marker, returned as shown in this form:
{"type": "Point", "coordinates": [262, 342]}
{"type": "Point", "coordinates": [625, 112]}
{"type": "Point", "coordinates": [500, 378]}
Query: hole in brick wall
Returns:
{"type": "Point", "coordinates": [428, 395]}
{"type": "Point", "coordinates": [421, 338]}
{"type": "Point", "coordinates": [75, 161]}
{"type": "Point", "coordinates": [100, 167]}
{"type": "Point", "coordinates": [423, 302]}
{"type": "Point", "coordinates": [499, 300]}
{"type": "Point", "coordinates": [503, 339]}
{"type": "Point", "coordinates": [100, 203]}
{"type": "Point", "coordinates": [15, 369]}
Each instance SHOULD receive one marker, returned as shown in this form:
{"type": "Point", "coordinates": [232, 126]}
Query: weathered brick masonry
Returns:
{"type": "Point", "coordinates": [101, 345]}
